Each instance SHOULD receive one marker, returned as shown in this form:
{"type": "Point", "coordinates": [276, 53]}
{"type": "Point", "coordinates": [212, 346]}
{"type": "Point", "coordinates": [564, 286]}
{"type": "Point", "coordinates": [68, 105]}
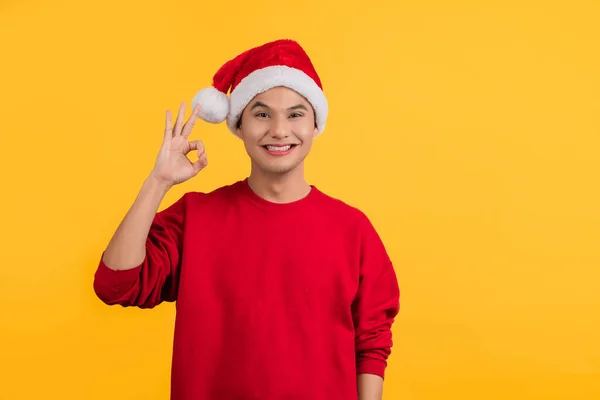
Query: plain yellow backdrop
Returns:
{"type": "Point", "coordinates": [468, 131]}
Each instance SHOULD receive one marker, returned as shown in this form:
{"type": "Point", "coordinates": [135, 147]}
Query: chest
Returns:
{"type": "Point", "coordinates": [298, 263]}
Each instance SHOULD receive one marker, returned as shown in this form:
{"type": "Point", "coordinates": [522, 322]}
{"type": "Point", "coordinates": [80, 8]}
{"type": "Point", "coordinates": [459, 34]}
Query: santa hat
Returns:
{"type": "Point", "coordinates": [278, 63]}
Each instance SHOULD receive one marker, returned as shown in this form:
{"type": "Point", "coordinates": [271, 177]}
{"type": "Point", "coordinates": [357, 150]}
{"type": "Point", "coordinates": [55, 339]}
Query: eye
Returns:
{"type": "Point", "coordinates": [296, 115]}
{"type": "Point", "coordinates": [262, 115]}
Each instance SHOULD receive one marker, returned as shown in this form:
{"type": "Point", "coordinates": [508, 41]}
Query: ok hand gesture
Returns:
{"type": "Point", "coordinates": [172, 165]}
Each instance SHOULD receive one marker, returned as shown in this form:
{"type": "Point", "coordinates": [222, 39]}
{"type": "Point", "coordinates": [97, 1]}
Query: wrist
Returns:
{"type": "Point", "coordinates": [157, 185]}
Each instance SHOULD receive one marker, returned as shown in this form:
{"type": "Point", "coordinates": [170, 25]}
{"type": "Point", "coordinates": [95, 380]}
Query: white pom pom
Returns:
{"type": "Point", "coordinates": [214, 105]}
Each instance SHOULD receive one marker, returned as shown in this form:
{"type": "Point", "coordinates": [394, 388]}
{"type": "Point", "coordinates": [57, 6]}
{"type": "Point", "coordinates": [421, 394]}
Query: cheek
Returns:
{"type": "Point", "coordinates": [256, 127]}
{"type": "Point", "coordinates": [249, 131]}
{"type": "Point", "coordinates": [306, 132]}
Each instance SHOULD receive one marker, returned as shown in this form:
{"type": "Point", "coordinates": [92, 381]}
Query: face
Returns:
{"type": "Point", "coordinates": [277, 128]}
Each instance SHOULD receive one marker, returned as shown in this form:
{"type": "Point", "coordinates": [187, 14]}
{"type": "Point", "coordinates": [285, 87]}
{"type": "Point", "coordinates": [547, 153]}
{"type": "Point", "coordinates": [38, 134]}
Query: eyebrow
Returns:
{"type": "Point", "coordinates": [261, 104]}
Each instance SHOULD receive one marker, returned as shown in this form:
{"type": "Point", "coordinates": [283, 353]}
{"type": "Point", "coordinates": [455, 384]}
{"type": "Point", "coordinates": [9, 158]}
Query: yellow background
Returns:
{"type": "Point", "coordinates": [468, 131]}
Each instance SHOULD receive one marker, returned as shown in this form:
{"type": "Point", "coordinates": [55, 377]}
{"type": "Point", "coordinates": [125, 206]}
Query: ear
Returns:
{"type": "Point", "coordinates": [238, 130]}
{"type": "Point", "coordinates": [315, 132]}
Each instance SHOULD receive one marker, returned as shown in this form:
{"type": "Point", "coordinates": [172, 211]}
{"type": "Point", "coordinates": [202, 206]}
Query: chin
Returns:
{"type": "Point", "coordinates": [278, 169]}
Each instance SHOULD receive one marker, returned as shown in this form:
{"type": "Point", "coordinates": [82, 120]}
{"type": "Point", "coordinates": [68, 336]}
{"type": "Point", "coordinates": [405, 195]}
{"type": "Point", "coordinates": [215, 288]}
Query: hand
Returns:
{"type": "Point", "coordinates": [172, 165]}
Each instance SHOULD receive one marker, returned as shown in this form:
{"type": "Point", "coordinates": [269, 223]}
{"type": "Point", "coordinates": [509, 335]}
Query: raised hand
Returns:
{"type": "Point", "coordinates": [172, 164]}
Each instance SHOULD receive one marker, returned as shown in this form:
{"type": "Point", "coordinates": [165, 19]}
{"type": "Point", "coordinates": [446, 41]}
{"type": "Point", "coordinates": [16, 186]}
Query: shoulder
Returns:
{"type": "Point", "coordinates": [344, 211]}
{"type": "Point", "coordinates": [340, 207]}
{"type": "Point", "coordinates": [220, 193]}
{"type": "Point", "coordinates": [192, 200]}
{"type": "Point", "coordinates": [357, 226]}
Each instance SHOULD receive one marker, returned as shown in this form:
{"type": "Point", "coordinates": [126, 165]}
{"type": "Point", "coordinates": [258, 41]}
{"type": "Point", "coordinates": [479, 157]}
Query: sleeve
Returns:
{"type": "Point", "coordinates": [376, 304]}
{"type": "Point", "coordinates": [156, 279]}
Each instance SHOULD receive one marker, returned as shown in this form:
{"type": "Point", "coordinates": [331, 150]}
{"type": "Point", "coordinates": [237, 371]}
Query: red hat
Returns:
{"type": "Point", "coordinates": [279, 63]}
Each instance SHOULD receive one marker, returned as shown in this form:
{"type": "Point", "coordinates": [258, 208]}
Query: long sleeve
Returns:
{"type": "Point", "coordinates": [156, 279]}
{"type": "Point", "coordinates": [376, 305]}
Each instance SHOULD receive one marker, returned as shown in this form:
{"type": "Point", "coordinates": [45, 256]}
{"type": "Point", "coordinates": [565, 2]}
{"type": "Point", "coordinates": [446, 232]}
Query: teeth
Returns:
{"type": "Point", "coordinates": [278, 148]}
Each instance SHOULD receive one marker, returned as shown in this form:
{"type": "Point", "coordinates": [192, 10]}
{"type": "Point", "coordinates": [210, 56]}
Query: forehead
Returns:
{"type": "Point", "coordinates": [280, 97]}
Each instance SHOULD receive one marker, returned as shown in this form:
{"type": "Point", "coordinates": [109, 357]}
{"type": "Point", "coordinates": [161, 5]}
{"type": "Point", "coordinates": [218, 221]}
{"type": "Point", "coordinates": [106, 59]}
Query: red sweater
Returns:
{"type": "Point", "coordinates": [274, 301]}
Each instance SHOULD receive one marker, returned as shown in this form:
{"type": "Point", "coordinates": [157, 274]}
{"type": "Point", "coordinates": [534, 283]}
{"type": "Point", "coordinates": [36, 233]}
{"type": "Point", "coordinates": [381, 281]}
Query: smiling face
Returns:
{"type": "Point", "coordinates": [277, 128]}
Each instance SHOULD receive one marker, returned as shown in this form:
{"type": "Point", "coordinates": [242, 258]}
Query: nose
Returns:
{"type": "Point", "coordinates": [280, 128]}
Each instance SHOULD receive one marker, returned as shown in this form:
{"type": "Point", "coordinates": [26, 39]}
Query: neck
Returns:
{"type": "Point", "coordinates": [279, 188]}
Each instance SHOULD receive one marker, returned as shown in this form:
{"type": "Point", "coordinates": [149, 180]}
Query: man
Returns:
{"type": "Point", "coordinates": [282, 291]}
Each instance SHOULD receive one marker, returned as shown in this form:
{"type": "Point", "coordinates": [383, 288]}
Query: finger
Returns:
{"type": "Point", "coordinates": [168, 126]}
{"type": "Point", "coordinates": [197, 145]}
{"type": "Point", "coordinates": [180, 117]}
{"type": "Point", "coordinates": [187, 129]}
{"type": "Point", "coordinates": [200, 163]}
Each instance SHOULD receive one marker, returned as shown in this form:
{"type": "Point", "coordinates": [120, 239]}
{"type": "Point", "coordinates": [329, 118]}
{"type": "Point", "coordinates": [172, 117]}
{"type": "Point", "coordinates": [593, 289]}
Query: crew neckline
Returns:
{"type": "Point", "coordinates": [252, 197]}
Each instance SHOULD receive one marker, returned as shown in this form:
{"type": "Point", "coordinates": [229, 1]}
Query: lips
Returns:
{"type": "Point", "coordinates": [279, 149]}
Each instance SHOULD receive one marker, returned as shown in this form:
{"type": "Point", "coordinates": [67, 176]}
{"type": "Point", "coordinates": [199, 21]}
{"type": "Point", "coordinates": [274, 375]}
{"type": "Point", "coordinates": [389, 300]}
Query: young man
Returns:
{"type": "Point", "coordinates": [282, 291]}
